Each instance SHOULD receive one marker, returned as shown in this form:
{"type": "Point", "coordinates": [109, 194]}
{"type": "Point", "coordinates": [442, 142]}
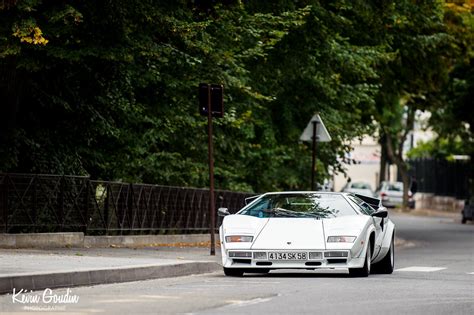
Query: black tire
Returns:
{"type": "Point", "coordinates": [464, 220]}
{"type": "Point", "coordinates": [364, 271]}
{"type": "Point", "coordinates": [387, 264]}
{"type": "Point", "coordinates": [233, 272]}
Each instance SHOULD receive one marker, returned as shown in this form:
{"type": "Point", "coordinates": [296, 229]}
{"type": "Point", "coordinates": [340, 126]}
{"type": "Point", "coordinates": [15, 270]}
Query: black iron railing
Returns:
{"type": "Point", "coordinates": [52, 203]}
{"type": "Point", "coordinates": [442, 177]}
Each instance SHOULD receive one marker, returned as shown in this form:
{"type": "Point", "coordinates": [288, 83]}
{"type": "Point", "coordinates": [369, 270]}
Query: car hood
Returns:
{"type": "Point", "coordinates": [243, 224]}
{"type": "Point", "coordinates": [350, 225]}
{"type": "Point", "coordinates": [292, 233]}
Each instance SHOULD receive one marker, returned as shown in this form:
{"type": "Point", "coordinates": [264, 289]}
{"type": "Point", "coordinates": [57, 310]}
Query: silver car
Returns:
{"type": "Point", "coordinates": [391, 194]}
{"type": "Point", "coordinates": [361, 188]}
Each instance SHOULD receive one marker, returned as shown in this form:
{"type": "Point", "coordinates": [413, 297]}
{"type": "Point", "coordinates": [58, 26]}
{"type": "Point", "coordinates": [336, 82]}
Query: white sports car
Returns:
{"type": "Point", "coordinates": [308, 230]}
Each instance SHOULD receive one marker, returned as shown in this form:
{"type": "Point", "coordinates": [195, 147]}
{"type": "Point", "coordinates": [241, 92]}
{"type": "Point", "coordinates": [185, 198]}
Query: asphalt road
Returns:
{"type": "Point", "coordinates": [434, 274]}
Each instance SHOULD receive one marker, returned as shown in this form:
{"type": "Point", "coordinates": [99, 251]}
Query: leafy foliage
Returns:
{"type": "Point", "coordinates": [437, 148]}
{"type": "Point", "coordinates": [109, 89]}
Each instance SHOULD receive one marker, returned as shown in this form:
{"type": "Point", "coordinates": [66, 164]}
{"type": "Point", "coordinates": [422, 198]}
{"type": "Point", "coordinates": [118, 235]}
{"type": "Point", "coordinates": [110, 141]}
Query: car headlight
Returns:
{"type": "Point", "coordinates": [341, 239]}
{"type": "Point", "coordinates": [239, 239]}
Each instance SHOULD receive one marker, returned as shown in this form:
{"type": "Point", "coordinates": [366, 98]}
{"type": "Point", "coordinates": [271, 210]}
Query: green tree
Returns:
{"type": "Point", "coordinates": [418, 39]}
{"type": "Point", "coordinates": [109, 89]}
{"type": "Point", "coordinates": [453, 116]}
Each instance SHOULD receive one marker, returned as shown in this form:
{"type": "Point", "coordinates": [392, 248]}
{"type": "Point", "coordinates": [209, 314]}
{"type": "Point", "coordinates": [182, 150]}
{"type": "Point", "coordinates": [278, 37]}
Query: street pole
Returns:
{"type": "Point", "coordinates": [313, 165]}
{"type": "Point", "coordinates": [211, 171]}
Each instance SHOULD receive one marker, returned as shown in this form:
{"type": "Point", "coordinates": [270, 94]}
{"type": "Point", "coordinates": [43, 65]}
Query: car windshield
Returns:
{"type": "Point", "coordinates": [299, 205]}
{"type": "Point", "coordinates": [398, 186]}
{"type": "Point", "coordinates": [360, 186]}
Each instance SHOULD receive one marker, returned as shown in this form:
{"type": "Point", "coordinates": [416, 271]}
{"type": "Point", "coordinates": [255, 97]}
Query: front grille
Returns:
{"type": "Point", "coordinates": [336, 261]}
{"type": "Point", "coordinates": [335, 254]}
{"type": "Point", "coordinates": [315, 255]}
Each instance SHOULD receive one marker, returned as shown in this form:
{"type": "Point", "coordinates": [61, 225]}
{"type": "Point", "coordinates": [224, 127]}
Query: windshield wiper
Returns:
{"type": "Point", "coordinates": [294, 214]}
{"type": "Point", "coordinates": [313, 214]}
{"type": "Point", "coordinates": [281, 211]}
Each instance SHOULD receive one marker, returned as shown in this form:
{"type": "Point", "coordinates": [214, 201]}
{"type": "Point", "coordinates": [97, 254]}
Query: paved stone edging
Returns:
{"type": "Point", "coordinates": [79, 240]}
{"type": "Point", "coordinates": [42, 240]}
{"type": "Point", "coordinates": [103, 276]}
{"type": "Point", "coordinates": [143, 240]}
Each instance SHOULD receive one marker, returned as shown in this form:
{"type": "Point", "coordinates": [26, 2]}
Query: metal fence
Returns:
{"type": "Point", "coordinates": [52, 203]}
{"type": "Point", "coordinates": [441, 177]}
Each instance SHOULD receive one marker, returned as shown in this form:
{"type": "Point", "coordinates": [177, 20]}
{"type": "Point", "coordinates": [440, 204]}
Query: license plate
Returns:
{"type": "Point", "coordinates": [287, 256]}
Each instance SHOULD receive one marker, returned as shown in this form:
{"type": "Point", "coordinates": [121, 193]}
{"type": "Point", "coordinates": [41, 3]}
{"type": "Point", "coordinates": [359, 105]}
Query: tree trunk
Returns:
{"type": "Point", "coordinates": [383, 159]}
{"type": "Point", "coordinates": [395, 154]}
{"type": "Point", "coordinates": [403, 169]}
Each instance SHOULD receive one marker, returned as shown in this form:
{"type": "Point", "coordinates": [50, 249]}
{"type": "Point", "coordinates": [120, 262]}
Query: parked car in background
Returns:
{"type": "Point", "coordinates": [391, 194]}
{"type": "Point", "coordinates": [361, 188]}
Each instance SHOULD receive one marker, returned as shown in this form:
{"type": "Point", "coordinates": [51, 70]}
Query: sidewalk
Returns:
{"type": "Point", "coordinates": [32, 269]}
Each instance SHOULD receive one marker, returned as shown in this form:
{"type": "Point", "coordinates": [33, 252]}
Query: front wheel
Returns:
{"type": "Point", "coordinates": [364, 271]}
{"type": "Point", "coordinates": [233, 272]}
{"type": "Point", "coordinates": [387, 264]}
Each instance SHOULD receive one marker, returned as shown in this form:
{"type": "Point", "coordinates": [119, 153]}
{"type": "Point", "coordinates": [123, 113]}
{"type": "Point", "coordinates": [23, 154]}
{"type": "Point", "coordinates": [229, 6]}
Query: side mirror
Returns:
{"type": "Point", "coordinates": [222, 212]}
{"type": "Point", "coordinates": [381, 213]}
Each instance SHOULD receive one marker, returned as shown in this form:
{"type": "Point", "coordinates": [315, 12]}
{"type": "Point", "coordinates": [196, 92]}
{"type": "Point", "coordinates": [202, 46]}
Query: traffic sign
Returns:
{"type": "Point", "coordinates": [322, 134]}
{"type": "Point", "coordinates": [217, 99]}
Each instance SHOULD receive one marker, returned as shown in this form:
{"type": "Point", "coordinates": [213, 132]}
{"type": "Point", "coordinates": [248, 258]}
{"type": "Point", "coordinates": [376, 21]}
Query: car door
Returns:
{"type": "Point", "coordinates": [379, 224]}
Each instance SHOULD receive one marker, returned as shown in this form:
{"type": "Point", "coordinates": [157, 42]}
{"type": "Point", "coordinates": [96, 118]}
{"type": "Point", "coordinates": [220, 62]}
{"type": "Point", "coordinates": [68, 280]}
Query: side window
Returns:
{"type": "Point", "coordinates": [354, 203]}
{"type": "Point", "coordinates": [365, 208]}
{"type": "Point", "coordinates": [260, 205]}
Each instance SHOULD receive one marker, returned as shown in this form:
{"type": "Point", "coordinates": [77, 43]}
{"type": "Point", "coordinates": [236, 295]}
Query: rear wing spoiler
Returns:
{"type": "Point", "coordinates": [373, 202]}
{"type": "Point", "coordinates": [250, 199]}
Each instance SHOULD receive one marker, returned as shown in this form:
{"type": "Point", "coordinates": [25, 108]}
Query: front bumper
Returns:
{"type": "Point", "coordinates": [328, 259]}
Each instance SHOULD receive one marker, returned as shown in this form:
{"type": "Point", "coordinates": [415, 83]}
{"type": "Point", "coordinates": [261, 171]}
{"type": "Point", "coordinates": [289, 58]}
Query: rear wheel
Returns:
{"type": "Point", "coordinates": [387, 264]}
{"type": "Point", "coordinates": [364, 271]}
{"type": "Point", "coordinates": [233, 272]}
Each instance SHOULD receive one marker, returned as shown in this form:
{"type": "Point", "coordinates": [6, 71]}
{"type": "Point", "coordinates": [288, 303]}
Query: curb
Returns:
{"type": "Point", "coordinates": [103, 276]}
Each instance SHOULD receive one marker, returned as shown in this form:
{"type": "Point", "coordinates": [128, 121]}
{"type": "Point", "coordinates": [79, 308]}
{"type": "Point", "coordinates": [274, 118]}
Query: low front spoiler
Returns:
{"type": "Point", "coordinates": [306, 264]}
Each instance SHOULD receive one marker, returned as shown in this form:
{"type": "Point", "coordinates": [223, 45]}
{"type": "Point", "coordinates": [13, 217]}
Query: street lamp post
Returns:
{"type": "Point", "coordinates": [211, 105]}
{"type": "Point", "coordinates": [313, 162]}
{"type": "Point", "coordinates": [212, 209]}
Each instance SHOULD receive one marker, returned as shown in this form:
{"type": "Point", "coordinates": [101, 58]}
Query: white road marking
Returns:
{"type": "Point", "coordinates": [140, 298]}
{"type": "Point", "coordinates": [248, 302]}
{"type": "Point", "coordinates": [246, 282]}
{"type": "Point", "coordinates": [470, 273]}
{"type": "Point", "coordinates": [421, 269]}
{"type": "Point", "coordinates": [159, 297]}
